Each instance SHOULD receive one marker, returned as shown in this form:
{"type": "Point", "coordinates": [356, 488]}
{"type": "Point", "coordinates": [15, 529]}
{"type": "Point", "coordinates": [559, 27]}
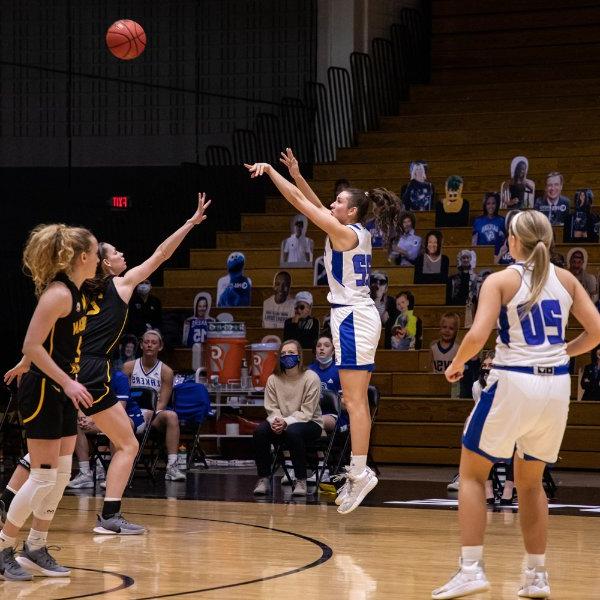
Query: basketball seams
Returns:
{"type": "Point", "coordinates": [126, 32]}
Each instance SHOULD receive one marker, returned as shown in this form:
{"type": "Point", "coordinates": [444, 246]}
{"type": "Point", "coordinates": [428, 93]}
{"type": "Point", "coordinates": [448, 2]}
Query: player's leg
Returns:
{"type": "Point", "coordinates": [472, 513]}
{"type": "Point", "coordinates": [84, 479]}
{"type": "Point", "coordinates": [115, 424]}
{"type": "Point", "coordinates": [17, 480]}
{"type": "Point", "coordinates": [533, 516]}
{"type": "Point", "coordinates": [168, 422]}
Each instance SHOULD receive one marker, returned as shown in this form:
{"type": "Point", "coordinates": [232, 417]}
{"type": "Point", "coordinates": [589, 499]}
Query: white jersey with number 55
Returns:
{"type": "Point", "coordinates": [348, 272]}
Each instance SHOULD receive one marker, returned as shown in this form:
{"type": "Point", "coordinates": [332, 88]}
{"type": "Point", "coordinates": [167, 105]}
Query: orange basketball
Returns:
{"type": "Point", "coordinates": [126, 39]}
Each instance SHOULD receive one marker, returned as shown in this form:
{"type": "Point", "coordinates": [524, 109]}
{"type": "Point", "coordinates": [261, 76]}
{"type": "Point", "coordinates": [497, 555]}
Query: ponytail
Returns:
{"type": "Point", "coordinates": [390, 215]}
{"type": "Point", "coordinates": [52, 249]}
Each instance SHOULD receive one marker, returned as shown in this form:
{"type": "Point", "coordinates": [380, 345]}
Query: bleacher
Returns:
{"type": "Point", "coordinates": [507, 80]}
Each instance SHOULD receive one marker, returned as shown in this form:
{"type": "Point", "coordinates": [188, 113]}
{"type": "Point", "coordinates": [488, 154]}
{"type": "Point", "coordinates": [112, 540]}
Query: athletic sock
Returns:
{"type": "Point", "coordinates": [171, 460]}
{"type": "Point", "coordinates": [471, 554]}
{"type": "Point", "coordinates": [7, 497]}
{"type": "Point", "coordinates": [6, 541]}
{"type": "Point", "coordinates": [36, 539]}
{"type": "Point", "coordinates": [111, 507]}
{"type": "Point", "coordinates": [358, 464]}
{"type": "Point", "coordinates": [535, 560]}
{"type": "Point", "coordinates": [84, 467]}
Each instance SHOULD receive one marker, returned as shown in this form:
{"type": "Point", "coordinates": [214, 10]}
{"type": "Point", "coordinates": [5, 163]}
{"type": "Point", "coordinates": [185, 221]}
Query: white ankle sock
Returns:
{"type": "Point", "coordinates": [6, 542]}
{"type": "Point", "coordinates": [171, 460]}
{"type": "Point", "coordinates": [471, 554]}
{"type": "Point", "coordinates": [84, 467]}
{"type": "Point", "coordinates": [535, 560]}
{"type": "Point", "coordinates": [358, 464]}
{"type": "Point", "coordinates": [36, 539]}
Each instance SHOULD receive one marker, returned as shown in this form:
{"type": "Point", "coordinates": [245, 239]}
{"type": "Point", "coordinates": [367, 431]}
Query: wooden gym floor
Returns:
{"type": "Point", "coordinates": [222, 549]}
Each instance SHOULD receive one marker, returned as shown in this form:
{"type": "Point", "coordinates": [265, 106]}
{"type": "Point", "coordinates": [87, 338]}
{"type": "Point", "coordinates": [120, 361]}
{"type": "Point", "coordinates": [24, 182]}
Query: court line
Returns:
{"type": "Point", "coordinates": [326, 554]}
{"type": "Point", "coordinates": [126, 581]}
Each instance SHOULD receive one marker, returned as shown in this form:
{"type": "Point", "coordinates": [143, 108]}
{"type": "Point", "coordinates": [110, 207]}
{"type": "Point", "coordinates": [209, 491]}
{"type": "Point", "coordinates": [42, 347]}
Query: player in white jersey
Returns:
{"type": "Point", "coordinates": [355, 322]}
{"type": "Point", "coordinates": [526, 400]}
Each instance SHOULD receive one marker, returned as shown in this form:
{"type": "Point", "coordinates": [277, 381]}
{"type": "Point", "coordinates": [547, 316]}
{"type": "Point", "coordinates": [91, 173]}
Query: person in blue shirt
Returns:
{"type": "Point", "coordinates": [195, 328]}
{"type": "Point", "coordinates": [120, 386]}
{"type": "Point", "coordinates": [324, 366]}
{"type": "Point", "coordinates": [408, 244]}
{"type": "Point", "coordinates": [489, 228]}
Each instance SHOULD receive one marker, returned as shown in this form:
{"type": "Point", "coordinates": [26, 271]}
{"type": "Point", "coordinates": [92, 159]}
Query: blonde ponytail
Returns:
{"type": "Point", "coordinates": [534, 231]}
{"type": "Point", "coordinates": [52, 249]}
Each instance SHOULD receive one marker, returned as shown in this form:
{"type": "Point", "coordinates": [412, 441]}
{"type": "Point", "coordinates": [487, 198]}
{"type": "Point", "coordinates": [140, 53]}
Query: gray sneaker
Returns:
{"type": "Point", "coordinates": [300, 488]}
{"type": "Point", "coordinates": [117, 525]}
{"type": "Point", "coordinates": [174, 474]}
{"type": "Point", "coordinates": [10, 569]}
{"type": "Point", "coordinates": [81, 481]}
{"type": "Point", "coordinates": [41, 562]}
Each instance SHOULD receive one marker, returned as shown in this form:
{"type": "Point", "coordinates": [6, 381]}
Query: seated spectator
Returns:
{"type": "Point", "coordinates": [324, 366]}
{"type": "Point", "coordinates": [128, 346]}
{"type": "Point", "coordinates": [556, 258]}
{"type": "Point", "coordinates": [407, 246]}
{"type": "Point", "coordinates": [453, 210]}
{"type": "Point", "coordinates": [443, 350]}
{"type": "Point", "coordinates": [195, 327]}
{"type": "Point", "coordinates": [503, 256]}
{"type": "Point", "coordinates": [293, 416]}
{"type": "Point", "coordinates": [581, 223]}
{"type": "Point", "coordinates": [297, 250]}
{"type": "Point", "coordinates": [489, 229]}
{"type": "Point", "coordinates": [302, 326]}
{"type": "Point", "coordinates": [518, 192]}
{"type": "Point", "coordinates": [578, 259]}
{"type": "Point", "coordinates": [432, 266]}
{"type": "Point", "coordinates": [280, 306]}
{"type": "Point", "coordinates": [145, 310]}
{"type": "Point", "coordinates": [419, 193]}
{"type": "Point", "coordinates": [385, 304]}
{"type": "Point", "coordinates": [406, 327]}
{"type": "Point", "coordinates": [149, 372]}
{"type": "Point", "coordinates": [234, 289]}
{"type": "Point", "coordinates": [553, 204]}
{"type": "Point", "coordinates": [590, 381]}
{"type": "Point", "coordinates": [384, 225]}
{"type": "Point", "coordinates": [462, 286]}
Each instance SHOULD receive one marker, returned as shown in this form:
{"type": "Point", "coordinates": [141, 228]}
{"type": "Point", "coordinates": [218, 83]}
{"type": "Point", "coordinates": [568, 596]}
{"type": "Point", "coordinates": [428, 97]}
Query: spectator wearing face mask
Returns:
{"type": "Point", "coordinates": [302, 326]}
{"type": "Point", "coordinates": [145, 310]}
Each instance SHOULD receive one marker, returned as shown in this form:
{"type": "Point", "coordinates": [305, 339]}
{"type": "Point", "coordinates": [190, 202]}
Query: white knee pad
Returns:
{"type": "Point", "coordinates": [49, 504]}
{"type": "Point", "coordinates": [31, 495]}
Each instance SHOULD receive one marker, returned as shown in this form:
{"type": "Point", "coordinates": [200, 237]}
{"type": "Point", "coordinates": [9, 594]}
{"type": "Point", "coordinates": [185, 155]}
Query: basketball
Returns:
{"type": "Point", "coordinates": [126, 39]}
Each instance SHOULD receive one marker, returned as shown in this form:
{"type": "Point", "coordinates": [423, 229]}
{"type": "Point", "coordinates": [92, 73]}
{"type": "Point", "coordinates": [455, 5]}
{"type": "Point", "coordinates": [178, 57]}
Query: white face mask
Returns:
{"type": "Point", "coordinates": [144, 288]}
{"type": "Point", "coordinates": [325, 361]}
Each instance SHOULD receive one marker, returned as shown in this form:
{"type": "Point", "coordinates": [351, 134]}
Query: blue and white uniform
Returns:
{"type": "Point", "coordinates": [355, 322]}
{"type": "Point", "coordinates": [526, 399]}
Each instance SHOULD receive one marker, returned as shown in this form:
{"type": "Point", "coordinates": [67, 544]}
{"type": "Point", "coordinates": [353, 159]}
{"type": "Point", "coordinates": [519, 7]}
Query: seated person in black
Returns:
{"type": "Point", "coordinates": [302, 326]}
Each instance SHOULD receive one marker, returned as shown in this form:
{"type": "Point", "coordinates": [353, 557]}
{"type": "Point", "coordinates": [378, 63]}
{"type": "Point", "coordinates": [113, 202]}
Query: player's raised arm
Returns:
{"type": "Point", "coordinates": [127, 283]}
{"type": "Point", "coordinates": [341, 237]}
{"type": "Point", "coordinates": [291, 162]}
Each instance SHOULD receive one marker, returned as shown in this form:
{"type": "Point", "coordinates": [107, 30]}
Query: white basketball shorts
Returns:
{"type": "Point", "coordinates": [519, 409]}
{"type": "Point", "coordinates": [355, 331]}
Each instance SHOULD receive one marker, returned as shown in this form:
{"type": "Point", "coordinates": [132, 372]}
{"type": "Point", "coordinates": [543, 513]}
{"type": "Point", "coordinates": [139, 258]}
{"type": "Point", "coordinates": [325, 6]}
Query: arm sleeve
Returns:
{"type": "Point", "coordinates": [311, 394]}
{"type": "Point", "coordinates": [271, 403]}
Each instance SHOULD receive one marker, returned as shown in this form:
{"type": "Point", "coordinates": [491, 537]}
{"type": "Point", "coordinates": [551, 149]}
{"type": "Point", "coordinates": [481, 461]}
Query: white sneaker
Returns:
{"type": "Point", "coordinates": [81, 481]}
{"type": "Point", "coordinates": [100, 472]}
{"type": "Point", "coordinates": [103, 484]}
{"type": "Point", "coordinates": [174, 474]}
{"type": "Point", "coordinates": [535, 584]}
{"type": "Point", "coordinates": [454, 484]}
{"type": "Point", "coordinates": [341, 493]}
{"type": "Point", "coordinates": [469, 579]}
{"type": "Point", "coordinates": [358, 487]}
{"type": "Point", "coordinates": [286, 481]}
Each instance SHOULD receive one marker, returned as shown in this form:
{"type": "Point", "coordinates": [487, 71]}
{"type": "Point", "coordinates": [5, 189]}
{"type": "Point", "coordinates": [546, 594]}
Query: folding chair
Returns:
{"type": "Point", "coordinates": [191, 402]}
{"type": "Point", "coordinates": [146, 398]}
{"type": "Point", "coordinates": [10, 422]}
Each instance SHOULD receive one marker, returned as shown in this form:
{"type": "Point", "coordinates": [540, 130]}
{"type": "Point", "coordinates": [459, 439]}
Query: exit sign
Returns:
{"type": "Point", "coordinates": [119, 202]}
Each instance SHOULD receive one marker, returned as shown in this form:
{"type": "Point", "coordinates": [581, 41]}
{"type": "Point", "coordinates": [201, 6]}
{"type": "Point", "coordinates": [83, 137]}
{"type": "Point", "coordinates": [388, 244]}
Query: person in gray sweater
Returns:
{"type": "Point", "coordinates": [294, 416]}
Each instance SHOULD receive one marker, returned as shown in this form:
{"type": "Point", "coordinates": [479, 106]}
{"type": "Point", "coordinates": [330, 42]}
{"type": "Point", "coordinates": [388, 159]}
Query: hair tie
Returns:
{"type": "Point", "coordinates": [538, 241]}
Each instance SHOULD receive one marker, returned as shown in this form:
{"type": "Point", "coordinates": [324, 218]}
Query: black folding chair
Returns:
{"type": "Point", "coordinates": [10, 422]}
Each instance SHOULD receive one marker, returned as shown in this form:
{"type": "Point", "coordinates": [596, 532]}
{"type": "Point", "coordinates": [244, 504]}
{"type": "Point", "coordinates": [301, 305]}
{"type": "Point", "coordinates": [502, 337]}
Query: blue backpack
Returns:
{"type": "Point", "coordinates": [191, 401]}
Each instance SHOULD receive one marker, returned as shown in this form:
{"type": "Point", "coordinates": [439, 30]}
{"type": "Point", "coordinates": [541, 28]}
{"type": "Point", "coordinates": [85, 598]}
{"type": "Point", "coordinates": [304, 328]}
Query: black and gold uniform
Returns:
{"type": "Point", "coordinates": [47, 412]}
{"type": "Point", "coordinates": [106, 314]}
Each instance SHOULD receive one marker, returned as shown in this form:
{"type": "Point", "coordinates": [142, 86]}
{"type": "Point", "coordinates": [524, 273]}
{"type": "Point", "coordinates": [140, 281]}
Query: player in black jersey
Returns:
{"type": "Point", "coordinates": [58, 259]}
{"type": "Point", "coordinates": [108, 295]}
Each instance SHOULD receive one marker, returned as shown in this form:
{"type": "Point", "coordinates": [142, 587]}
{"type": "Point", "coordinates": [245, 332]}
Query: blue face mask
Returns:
{"type": "Point", "coordinates": [325, 361]}
{"type": "Point", "coordinates": [289, 361]}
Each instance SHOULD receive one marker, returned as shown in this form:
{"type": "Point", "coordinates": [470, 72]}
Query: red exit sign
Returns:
{"type": "Point", "coordinates": [119, 202]}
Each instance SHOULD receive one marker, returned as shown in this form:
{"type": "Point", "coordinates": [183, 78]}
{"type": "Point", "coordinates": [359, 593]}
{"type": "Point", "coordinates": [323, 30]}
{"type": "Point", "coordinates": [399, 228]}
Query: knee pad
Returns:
{"type": "Point", "coordinates": [47, 507]}
{"type": "Point", "coordinates": [25, 462]}
{"type": "Point", "coordinates": [31, 495]}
